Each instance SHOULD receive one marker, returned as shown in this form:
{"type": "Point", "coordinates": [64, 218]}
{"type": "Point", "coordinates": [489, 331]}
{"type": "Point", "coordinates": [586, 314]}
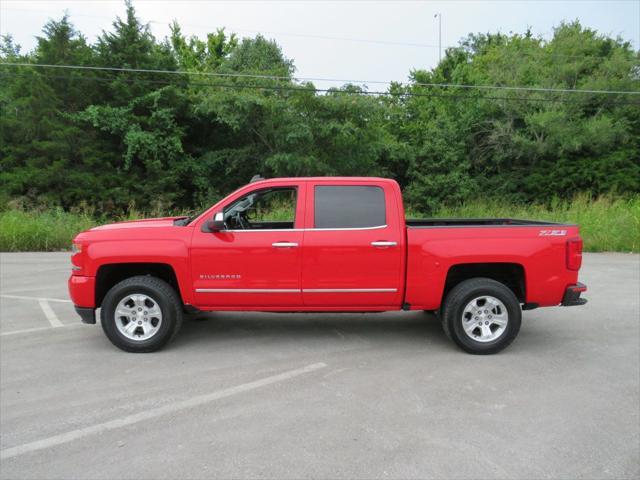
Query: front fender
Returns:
{"type": "Point", "coordinates": [166, 251]}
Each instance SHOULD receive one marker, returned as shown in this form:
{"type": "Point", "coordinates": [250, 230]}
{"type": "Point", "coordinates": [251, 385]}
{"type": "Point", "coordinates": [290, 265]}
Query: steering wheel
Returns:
{"type": "Point", "coordinates": [238, 213]}
{"type": "Point", "coordinates": [241, 221]}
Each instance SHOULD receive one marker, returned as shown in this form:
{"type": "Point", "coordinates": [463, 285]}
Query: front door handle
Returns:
{"type": "Point", "coordinates": [284, 245]}
{"type": "Point", "coordinates": [383, 243]}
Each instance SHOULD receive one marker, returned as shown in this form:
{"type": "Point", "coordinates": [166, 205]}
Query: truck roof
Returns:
{"type": "Point", "coordinates": [325, 179]}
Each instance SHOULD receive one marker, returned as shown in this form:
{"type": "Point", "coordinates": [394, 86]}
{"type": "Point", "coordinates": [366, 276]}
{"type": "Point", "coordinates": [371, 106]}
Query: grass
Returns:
{"type": "Point", "coordinates": [606, 224]}
{"type": "Point", "coordinates": [49, 230]}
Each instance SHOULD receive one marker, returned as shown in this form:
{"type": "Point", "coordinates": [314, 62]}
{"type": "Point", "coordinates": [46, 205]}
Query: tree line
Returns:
{"type": "Point", "coordinates": [108, 139]}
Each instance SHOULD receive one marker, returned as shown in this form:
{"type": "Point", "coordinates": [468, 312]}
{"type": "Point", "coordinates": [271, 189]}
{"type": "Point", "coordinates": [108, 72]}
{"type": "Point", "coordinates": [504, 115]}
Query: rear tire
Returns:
{"type": "Point", "coordinates": [482, 316]}
{"type": "Point", "coordinates": [141, 314]}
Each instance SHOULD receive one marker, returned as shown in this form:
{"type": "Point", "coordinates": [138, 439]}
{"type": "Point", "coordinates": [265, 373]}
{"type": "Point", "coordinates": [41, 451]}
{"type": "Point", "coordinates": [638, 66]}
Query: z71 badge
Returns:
{"type": "Point", "coordinates": [552, 233]}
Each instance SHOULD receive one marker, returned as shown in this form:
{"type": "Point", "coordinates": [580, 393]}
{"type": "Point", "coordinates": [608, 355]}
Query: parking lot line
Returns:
{"type": "Point", "coordinates": [22, 297]}
{"type": "Point", "coordinates": [36, 329]}
{"type": "Point", "coordinates": [154, 413]}
{"type": "Point", "coordinates": [49, 313]}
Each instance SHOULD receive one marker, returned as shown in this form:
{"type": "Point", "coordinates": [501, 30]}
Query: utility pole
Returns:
{"type": "Point", "coordinates": [439, 15]}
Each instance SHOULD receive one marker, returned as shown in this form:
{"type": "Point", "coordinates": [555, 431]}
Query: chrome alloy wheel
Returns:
{"type": "Point", "coordinates": [138, 317]}
{"type": "Point", "coordinates": [485, 319]}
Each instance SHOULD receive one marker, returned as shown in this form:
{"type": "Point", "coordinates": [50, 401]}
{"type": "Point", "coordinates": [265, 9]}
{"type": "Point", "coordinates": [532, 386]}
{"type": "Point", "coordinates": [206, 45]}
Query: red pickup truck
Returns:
{"type": "Point", "coordinates": [326, 244]}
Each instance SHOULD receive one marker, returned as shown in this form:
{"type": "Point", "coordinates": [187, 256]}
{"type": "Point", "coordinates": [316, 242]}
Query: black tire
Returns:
{"type": "Point", "coordinates": [168, 301]}
{"type": "Point", "coordinates": [460, 296]}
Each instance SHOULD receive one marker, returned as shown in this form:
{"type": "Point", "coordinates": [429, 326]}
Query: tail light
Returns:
{"type": "Point", "coordinates": [574, 253]}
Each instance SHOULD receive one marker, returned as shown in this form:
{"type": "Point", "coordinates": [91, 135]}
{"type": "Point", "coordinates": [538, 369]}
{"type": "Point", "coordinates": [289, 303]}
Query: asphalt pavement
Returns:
{"type": "Point", "coordinates": [263, 395]}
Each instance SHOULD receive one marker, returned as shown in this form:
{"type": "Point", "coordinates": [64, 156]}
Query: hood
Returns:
{"type": "Point", "coordinates": [146, 223]}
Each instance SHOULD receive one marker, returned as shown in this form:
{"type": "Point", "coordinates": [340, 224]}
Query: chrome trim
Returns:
{"type": "Point", "coordinates": [295, 290]}
{"type": "Point", "coordinates": [348, 290]}
{"type": "Point", "coordinates": [265, 230]}
{"type": "Point", "coordinates": [305, 229]}
{"type": "Point", "coordinates": [247, 290]}
{"type": "Point", "coordinates": [344, 229]}
{"type": "Point", "coordinates": [284, 244]}
{"type": "Point", "coordinates": [383, 243]}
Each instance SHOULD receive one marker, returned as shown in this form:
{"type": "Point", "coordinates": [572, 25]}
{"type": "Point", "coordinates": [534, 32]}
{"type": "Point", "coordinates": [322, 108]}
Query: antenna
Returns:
{"type": "Point", "coordinates": [439, 17]}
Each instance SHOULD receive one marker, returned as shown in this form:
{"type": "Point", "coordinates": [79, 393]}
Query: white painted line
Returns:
{"type": "Point", "coordinates": [153, 413]}
{"type": "Point", "coordinates": [50, 314]}
{"type": "Point", "coordinates": [38, 329]}
{"type": "Point", "coordinates": [21, 291]}
{"type": "Point", "coordinates": [22, 297]}
{"type": "Point", "coordinates": [26, 330]}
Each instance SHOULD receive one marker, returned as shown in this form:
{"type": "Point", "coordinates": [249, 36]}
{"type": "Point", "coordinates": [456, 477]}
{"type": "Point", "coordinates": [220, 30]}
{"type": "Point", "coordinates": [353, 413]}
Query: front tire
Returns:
{"type": "Point", "coordinates": [141, 314]}
{"type": "Point", "coordinates": [482, 316]}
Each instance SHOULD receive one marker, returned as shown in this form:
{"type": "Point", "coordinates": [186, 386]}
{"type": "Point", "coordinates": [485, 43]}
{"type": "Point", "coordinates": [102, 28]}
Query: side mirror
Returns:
{"type": "Point", "coordinates": [217, 224]}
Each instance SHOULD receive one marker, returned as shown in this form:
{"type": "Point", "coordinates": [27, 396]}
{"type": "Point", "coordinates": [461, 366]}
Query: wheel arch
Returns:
{"type": "Point", "coordinates": [110, 274]}
{"type": "Point", "coordinates": [512, 275]}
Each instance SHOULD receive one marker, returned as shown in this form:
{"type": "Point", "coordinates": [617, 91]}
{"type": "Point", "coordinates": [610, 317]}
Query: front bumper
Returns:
{"type": "Point", "coordinates": [572, 295]}
{"type": "Point", "coordinates": [82, 293]}
{"type": "Point", "coordinates": [82, 290]}
{"type": "Point", "coordinates": [87, 315]}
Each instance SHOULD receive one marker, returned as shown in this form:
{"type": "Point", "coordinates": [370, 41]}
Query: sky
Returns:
{"type": "Point", "coordinates": [370, 40]}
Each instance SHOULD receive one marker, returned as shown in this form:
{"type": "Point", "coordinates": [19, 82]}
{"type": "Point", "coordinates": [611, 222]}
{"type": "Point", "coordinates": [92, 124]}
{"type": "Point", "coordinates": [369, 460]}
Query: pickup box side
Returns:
{"type": "Point", "coordinates": [434, 251]}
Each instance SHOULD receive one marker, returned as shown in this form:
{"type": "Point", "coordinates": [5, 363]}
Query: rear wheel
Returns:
{"type": "Point", "coordinates": [481, 315]}
{"type": "Point", "coordinates": [141, 314]}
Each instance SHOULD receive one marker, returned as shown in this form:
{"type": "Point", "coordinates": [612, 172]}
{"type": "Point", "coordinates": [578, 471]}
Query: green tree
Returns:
{"type": "Point", "coordinates": [43, 153]}
{"type": "Point", "coordinates": [201, 116]}
{"type": "Point", "coordinates": [520, 145]}
{"type": "Point", "coordinates": [196, 55]}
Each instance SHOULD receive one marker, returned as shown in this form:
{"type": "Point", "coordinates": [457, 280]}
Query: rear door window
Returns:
{"type": "Point", "coordinates": [357, 206]}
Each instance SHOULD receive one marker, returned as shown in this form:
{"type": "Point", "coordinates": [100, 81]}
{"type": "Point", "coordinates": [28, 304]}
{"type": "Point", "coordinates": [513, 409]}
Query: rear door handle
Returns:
{"type": "Point", "coordinates": [383, 243]}
{"type": "Point", "coordinates": [284, 244]}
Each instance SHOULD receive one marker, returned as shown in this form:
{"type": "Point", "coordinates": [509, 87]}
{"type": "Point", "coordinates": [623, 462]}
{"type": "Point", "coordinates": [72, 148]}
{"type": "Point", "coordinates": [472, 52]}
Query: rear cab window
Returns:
{"type": "Point", "coordinates": [349, 206]}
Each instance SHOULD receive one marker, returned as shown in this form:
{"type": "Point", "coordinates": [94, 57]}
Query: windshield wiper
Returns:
{"type": "Point", "coordinates": [181, 222]}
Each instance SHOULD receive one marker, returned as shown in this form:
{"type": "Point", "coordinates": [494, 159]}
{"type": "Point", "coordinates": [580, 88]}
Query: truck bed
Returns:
{"type": "Point", "coordinates": [473, 222]}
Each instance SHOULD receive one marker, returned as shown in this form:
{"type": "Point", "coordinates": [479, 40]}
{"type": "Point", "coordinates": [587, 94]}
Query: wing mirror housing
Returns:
{"type": "Point", "coordinates": [217, 224]}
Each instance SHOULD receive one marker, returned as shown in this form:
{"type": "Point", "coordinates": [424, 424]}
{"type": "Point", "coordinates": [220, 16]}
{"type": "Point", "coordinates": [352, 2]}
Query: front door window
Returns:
{"type": "Point", "coordinates": [270, 209]}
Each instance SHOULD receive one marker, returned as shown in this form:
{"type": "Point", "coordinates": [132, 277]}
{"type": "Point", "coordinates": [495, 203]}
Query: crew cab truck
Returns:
{"type": "Point", "coordinates": [326, 244]}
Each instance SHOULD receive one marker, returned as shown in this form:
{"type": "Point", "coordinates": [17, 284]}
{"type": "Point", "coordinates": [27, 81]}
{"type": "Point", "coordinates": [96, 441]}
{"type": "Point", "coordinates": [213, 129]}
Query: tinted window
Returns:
{"type": "Point", "coordinates": [349, 207]}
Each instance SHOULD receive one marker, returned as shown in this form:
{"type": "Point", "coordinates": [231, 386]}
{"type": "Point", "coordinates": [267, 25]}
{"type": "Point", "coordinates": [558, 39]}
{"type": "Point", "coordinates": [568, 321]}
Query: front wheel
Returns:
{"type": "Point", "coordinates": [481, 316]}
{"type": "Point", "coordinates": [141, 314]}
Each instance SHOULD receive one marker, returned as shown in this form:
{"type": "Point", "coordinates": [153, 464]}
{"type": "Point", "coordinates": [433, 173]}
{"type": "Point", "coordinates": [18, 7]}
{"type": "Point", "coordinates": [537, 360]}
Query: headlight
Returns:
{"type": "Point", "coordinates": [76, 260]}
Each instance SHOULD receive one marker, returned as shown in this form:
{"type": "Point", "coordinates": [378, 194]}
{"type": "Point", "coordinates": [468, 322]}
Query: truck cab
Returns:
{"type": "Point", "coordinates": [336, 244]}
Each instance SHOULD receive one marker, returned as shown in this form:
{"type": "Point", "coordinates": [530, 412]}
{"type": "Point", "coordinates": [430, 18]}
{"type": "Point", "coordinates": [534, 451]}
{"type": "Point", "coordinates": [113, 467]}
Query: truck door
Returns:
{"type": "Point", "coordinates": [353, 246]}
{"type": "Point", "coordinates": [256, 260]}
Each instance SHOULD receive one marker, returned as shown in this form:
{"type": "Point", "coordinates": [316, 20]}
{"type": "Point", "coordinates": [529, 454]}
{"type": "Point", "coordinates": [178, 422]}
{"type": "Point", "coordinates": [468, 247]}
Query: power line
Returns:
{"type": "Point", "coordinates": [306, 89]}
{"type": "Point", "coordinates": [277, 77]}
